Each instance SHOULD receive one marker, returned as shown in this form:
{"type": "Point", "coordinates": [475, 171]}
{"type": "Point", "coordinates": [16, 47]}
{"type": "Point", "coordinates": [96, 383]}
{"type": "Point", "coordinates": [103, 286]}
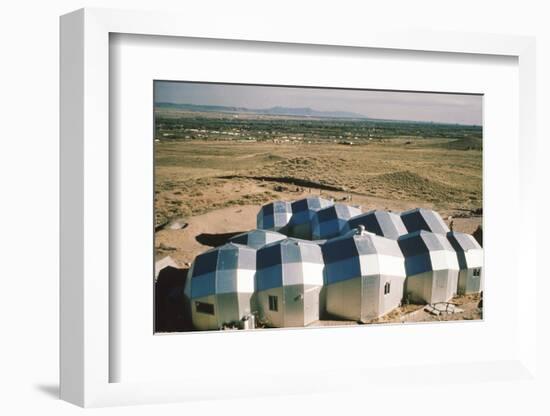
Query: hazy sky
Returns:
{"type": "Point", "coordinates": [448, 108]}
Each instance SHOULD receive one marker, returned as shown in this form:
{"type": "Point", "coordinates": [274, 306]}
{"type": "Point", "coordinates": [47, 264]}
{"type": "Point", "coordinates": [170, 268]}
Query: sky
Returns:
{"type": "Point", "coordinates": [392, 105]}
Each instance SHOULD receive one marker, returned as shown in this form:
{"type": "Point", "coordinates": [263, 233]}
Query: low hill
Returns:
{"type": "Point", "coordinates": [273, 111]}
{"type": "Point", "coordinates": [466, 143]}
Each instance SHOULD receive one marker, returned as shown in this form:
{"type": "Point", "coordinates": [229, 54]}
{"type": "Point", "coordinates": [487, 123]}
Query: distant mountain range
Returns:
{"type": "Point", "coordinates": [273, 111]}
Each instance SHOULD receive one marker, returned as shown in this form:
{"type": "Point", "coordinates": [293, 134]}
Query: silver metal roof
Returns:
{"type": "Point", "coordinates": [257, 238]}
{"type": "Point", "coordinates": [342, 254]}
{"type": "Point", "coordinates": [302, 214]}
{"type": "Point", "coordinates": [418, 249]}
{"type": "Point", "coordinates": [424, 219]}
{"type": "Point", "coordinates": [357, 244]}
{"type": "Point", "coordinates": [281, 263]}
{"type": "Point", "coordinates": [423, 241]}
{"type": "Point", "coordinates": [382, 223]}
{"type": "Point", "coordinates": [216, 271]}
{"type": "Point", "coordinates": [274, 216]}
{"type": "Point", "coordinates": [462, 242]}
{"type": "Point", "coordinates": [303, 209]}
{"type": "Point", "coordinates": [330, 221]}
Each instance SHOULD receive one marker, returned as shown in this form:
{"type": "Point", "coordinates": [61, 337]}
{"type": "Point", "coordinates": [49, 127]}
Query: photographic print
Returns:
{"type": "Point", "coordinates": [293, 207]}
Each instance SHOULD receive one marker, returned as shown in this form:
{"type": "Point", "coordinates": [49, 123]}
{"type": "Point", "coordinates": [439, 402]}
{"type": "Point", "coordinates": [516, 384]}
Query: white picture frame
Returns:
{"type": "Point", "coordinates": [86, 329]}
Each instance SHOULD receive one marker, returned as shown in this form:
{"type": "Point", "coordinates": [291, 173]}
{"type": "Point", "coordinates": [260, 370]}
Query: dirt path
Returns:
{"type": "Point", "coordinates": [204, 231]}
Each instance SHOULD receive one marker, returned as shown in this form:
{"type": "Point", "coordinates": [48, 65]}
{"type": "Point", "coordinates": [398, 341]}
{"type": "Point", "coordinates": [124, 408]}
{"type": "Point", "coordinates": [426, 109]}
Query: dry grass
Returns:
{"type": "Point", "coordinates": [193, 178]}
{"type": "Point", "coordinates": [207, 183]}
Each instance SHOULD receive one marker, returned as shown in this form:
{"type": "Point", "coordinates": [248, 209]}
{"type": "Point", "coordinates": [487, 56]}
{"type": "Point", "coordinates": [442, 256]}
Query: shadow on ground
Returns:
{"type": "Point", "coordinates": [170, 313]}
{"type": "Point", "coordinates": [215, 240]}
{"type": "Point", "coordinates": [51, 390]}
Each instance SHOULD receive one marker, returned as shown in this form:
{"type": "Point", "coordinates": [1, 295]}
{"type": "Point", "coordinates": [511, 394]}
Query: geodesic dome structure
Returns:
{"type": "Point", "coordinates": [359, 266]}
{"type": "Point", "coordinates": [302, 215]}
{"type": "Point", "coordinates": [257, 238]}
{"type": "Point", "coordinates": [431, 265]}
{"type": "Point", "coordinates": [274, 216]}
{"type": "Point", "coordinates": [382, 223]}
{"type": "Point", "coordinates": [470, 261]}
{"type": "Point", "coordinates": [289, 278]}
{"type": "Point", "coordinates": [220, 285]}
{"type": "Point", "coordinates": [424, 219]}
{"type": "Point", "coordinates": [329, 222]}
{"type": "Point", "coordinates": [364, 275]}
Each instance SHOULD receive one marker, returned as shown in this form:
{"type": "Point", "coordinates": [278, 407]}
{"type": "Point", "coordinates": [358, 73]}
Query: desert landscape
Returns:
{"type": "Point", "coordinates": [215, 169]}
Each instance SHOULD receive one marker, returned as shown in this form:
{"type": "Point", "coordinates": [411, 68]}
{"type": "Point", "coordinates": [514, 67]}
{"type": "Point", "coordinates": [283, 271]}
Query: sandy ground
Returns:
{"type": "Point", "coordinates": [203, 232]}
{"type": "Point", "coordinates": [416, 313]}
{"type": "Point", "coordinates": [173, 321]}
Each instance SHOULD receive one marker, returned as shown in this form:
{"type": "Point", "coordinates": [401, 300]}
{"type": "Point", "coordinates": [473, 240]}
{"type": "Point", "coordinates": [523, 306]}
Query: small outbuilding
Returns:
{"type": "Point", "coordinates": [364, 275]}
{"type": "Point", "coordinates": [302, 215]}
{"type": "Point", "coordinates": [470, 261]}
{"type": "Point", "coordinates": [329, 222]}
{"type": "Point", "coordinates": [257, 238]}
{"type": "Point", "coordinates": [289, 279]}
{"type": "Point", "coordinates": [274, 216]}
{"type": "Point", "coordinates": [382, 223]}
{"type": "Point", "coordinates": [431, 265]}
{"type": "Point", "coordinates": [424, 219]}
{"type": "Point", "coordinates": [220, 286]}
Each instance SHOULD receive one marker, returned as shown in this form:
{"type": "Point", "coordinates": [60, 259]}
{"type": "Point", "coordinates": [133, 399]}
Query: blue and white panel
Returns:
{"type": "Point", "coordinates": [382, 223]}
{"type": "Point", "coordinates": [304, 259]}
{"type": "Point", "coordinates": [432, 266]}
{"type": "Point", "coordinates": [226, 269]}
{"type": "Point", "coordinates": [330, 222]}
{"type": "Point", "coordinates": [202, 275]}
{"type": "Point", "coordinates": [257, 238]}
{"type": "Point", "coordinates": [469, 252]}
{"type": "Point", "coordinates": [416, 251]}
{"type": "Point", "coordinates": [358, 267]}
{"type": "Point", "coordinates": [220, 285]}
{"type": "Point", "coordinates": [470, 259]}
{"type": "Point", "coordinates": [424, 219]}
{"type": "Point", "coordinates": [444, 259]}
{"type": "Point", "coordinates": [303, 209]}
{"type": "Point", "coordinates": [289, 262]}
{"type": "Point", "coordinates": [302, 214]}
{"type": "Point", "coordinates": [341, 259]}
{"type": "Point", "coordinates": [274, 216]}
{"type": "Point", "coordinates": [269, 272]}
{"type": "Point", "coordinates": [289, 275]}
